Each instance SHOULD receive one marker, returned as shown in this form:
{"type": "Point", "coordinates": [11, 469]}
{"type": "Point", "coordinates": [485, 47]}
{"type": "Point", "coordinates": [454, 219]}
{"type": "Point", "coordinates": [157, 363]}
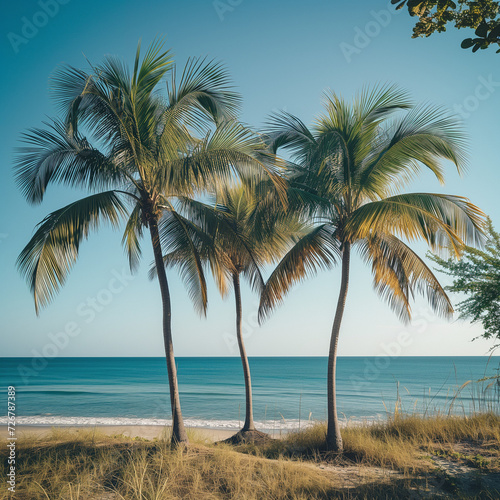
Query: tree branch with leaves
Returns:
{"type": "Point", "coordinates": [434, 16]}
{"type": "Point", "coordinates": [477, 275]}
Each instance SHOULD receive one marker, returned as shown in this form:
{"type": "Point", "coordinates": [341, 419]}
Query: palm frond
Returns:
{"type": "Point", "coordinates": [232, 247]}
{"type": "Point", "coordinates": [203, 91]}
{"type": "Point", "coordinates": [398, 272]}
{"type": "Point", "coordinates": [66, 87]}
{"type": "Point", "coordinates": [317, 250]}
{"type": "Point", "coordinates": [373, 104]}
{"type": "Point", "coordinates": [442, 221]}
{"type": "Point", "coordinates": [284, 130]}
{"type": "Point", "coordinates": [423, 137]}
{"type": "Point", "coordinates": [51, 155]}
{"type": "Point", "coordinates": [230, 150]}
{"type": "Point", "coordinates": [84, 98]}
{"type": "Point", "coordinates": [131, 238]}
{"type": "Point", "coordinates": [49, 256]}
{"type": "Point", "coordinates": [181, 241]}
{"type": "Point", "coordinates": [148, 74]}
{"type": "Point", "coordinates": [109, 100]}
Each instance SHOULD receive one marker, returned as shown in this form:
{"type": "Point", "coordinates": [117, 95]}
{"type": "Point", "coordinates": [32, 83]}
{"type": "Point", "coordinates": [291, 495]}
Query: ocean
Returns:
{"type": "Point", "coordinates": [288, 391]}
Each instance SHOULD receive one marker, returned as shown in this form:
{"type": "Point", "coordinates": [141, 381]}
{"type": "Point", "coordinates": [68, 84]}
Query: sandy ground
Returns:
{"type": "Point", "coordinates": [144, 431]}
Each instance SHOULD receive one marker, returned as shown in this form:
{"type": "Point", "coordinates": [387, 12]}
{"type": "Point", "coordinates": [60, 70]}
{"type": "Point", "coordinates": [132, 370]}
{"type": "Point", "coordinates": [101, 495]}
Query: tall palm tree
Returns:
{"type": "Point", "coordinates": [242, 231]}
{"type": "Point", "coordinates": [145, 152]}
{"type": "Point", "coordinates": [348, 173]}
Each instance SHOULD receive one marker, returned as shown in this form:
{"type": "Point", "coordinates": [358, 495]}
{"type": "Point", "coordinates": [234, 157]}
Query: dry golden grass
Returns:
{"type": "Point", "coordinates": [87, 464]}
{"type": "Point", "coordinates": [383, 460]}
{"type": "Point", "coordinates": [401, 443]}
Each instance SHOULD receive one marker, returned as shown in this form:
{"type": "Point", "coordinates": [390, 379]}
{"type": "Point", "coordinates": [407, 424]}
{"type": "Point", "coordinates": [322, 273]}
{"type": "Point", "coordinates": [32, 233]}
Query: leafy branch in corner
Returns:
{"type": "Point", "coordinates": [433, 16]}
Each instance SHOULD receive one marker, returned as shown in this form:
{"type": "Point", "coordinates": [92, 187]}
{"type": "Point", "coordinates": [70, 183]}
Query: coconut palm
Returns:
{"type": "Point", "coordinates": [242, 231]}
{"type": "Point", "coordinates": [348, 173]}
{"type": "Point", "coordinates": [135, 150]}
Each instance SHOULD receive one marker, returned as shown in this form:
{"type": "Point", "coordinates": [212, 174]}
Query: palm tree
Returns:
{"type": "Point", "coordinates": [139, 154]}
{"type": "Point", "coordinates": [243, 230]}
{"type": "Point", "coordinates": [348, 174]}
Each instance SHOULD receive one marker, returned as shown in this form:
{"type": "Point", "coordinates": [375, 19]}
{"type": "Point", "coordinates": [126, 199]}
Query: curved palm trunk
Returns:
{"type": "Point", "coordinates": [333, 437]}
{"type": "Point", "coordinates": [178, 432]}
{"type": "Point", "coordinates": [249, 425]}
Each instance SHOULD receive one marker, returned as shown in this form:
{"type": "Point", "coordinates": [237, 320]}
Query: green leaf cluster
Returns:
{"type": "Point", "coordinates": [434, 16]}
{"type": "Point", "coordinates": [477, 275]}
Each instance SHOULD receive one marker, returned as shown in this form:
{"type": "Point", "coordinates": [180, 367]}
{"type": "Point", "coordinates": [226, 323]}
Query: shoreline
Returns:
{"type": "Point", "coordinates": [132, 431]}
{"type": "Point", "coordinates": [155, 430]}
{"type": "Point", "coordinates": [273, 427]}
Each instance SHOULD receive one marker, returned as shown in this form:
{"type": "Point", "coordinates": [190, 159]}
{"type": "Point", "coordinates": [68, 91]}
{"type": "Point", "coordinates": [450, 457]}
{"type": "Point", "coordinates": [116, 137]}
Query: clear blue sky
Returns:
{"type": "Point", "coordinates": [281, 55]}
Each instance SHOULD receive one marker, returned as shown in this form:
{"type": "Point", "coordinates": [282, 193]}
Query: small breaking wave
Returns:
{"type": "Point", "coordinates": [43, 420]}
{"type": "Point", "coordinates": [277, 425]}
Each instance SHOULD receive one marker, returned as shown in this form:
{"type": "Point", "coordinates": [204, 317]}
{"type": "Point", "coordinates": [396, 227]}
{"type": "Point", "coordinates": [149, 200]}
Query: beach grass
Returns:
{"type": "Point", "coordinates": [403, 457]}
{"type": "Point", "coordinates": [89, 464]}
{"type": "Point", "coordinates": [400, 443]}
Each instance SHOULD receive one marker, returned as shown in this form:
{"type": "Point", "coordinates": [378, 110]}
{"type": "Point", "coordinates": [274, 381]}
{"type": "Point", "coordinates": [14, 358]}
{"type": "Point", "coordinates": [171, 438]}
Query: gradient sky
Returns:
{"type": "Point", "coordinates": [281, 55]}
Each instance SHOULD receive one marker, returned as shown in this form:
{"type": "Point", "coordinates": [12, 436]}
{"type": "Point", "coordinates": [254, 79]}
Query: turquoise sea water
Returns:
{"type": "Point", "coordinates": [286, 389]}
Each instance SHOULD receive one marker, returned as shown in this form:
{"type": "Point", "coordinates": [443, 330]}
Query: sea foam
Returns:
{"type": "Point", "coordinates": [269, 425]}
